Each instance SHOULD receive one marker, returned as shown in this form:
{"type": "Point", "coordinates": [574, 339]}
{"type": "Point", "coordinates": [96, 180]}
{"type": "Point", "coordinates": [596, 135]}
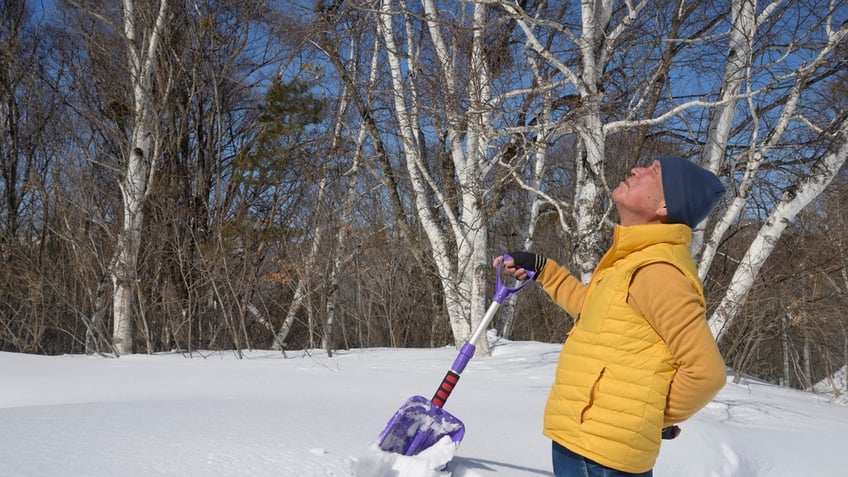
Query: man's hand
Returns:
{"type": "Point", "coordinates": [520, 262]}
{"type": "Point", "coordinates": [670, 432]}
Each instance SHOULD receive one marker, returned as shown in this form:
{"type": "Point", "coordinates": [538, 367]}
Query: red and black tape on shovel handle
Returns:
{"type": "Point", "coordinates": [445, 389]}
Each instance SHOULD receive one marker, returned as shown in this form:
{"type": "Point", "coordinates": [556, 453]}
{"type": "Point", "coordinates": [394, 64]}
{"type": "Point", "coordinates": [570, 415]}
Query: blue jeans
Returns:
{"type": "Point", "coordinates": [569, 464]}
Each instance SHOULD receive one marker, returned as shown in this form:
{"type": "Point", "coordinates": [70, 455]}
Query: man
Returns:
{"type": "Point", "coordinates": [640, 357]}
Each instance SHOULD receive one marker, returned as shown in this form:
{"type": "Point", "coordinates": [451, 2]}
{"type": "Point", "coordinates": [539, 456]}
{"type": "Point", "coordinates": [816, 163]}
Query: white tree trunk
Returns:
{"type": "Point", "coordinates": [742, 30]}
{"type": "Point", "coordinates": [587, 196]}
{"type": "Point", "coordinates": [301, 288]}
{"type": "Point", "coordinates": [135, 183]}
{"type": "Point", "coordinates": [462, 268]}
{"type": "Point", "coordinates": [784, 343]}
{"type": "Point", "coordinates": [807, 190]}
{"type": "Point", "coordinates": [341, 253]}
{"type": "Point", "coordinates": [794, 199]}
{"type": "Point", "coordinates": [745, 22]}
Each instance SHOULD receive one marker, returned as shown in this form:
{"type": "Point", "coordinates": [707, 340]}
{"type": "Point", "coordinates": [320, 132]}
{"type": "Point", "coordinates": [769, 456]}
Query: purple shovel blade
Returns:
{"type": "Point", "coordinates": [417, 425]}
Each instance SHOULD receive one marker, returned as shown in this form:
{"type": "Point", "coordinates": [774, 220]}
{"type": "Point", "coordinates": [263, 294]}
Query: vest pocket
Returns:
{"type": "Point", "coordinates": [592, 395]}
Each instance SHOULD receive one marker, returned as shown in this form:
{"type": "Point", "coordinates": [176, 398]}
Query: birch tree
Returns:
{"type": "Point", "coordinates": [800, 193]}
{"type": "Point", "coordinates": [594, 40]}
{"type": "Point", "coordinates": [142, 43]}
{"type": "Point", "coordinates": [794, 199]}
{"type": "Point", "coordinates": [459, 250]}
{"type": "Point", "coordinates": [743, 23]}
{"type": "Point", "coordinates": [346, 37]}
{"type": "Point", "coordinates": [190, 98]}
{"type": "Point", "coordinates": [764, 83]}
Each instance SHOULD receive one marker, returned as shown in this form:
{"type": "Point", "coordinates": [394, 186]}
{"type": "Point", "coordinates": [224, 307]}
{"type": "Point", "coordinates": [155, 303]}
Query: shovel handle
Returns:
{"type": "Point", "coordinates": [466, 352]}
{"type": "Point", "coordinates": [502, 292]}
{"type": "Point", "coordinates": [445, 389]}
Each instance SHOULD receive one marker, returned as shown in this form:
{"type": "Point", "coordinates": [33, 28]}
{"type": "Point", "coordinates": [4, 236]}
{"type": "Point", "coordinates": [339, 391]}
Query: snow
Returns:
{"type": "Point", "coordinates": [307, 415]}
{"type": "Point", "coordinates": [835, 385]}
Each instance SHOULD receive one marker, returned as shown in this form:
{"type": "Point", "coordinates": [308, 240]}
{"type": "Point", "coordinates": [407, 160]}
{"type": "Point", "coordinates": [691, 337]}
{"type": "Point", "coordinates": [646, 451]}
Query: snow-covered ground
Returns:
{"type": "Point", "coordinates": [307, 415]}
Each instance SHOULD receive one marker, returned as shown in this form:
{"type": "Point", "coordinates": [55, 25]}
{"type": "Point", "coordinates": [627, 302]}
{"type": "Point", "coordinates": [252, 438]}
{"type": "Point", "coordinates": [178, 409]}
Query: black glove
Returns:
{"type": "Point", "coordinates": [670, 432]}
{"type": "Point", "coordinates": [529, 261]}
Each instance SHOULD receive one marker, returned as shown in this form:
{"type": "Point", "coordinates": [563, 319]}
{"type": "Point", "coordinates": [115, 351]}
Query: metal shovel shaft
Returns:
{"type": "Point", "coordinates": [466, 352]}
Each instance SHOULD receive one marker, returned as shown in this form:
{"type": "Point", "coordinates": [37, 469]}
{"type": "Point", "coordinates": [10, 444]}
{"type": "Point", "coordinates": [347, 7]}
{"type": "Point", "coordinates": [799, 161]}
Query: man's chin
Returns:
{"type": "Point", "coordinates": [618, 190]}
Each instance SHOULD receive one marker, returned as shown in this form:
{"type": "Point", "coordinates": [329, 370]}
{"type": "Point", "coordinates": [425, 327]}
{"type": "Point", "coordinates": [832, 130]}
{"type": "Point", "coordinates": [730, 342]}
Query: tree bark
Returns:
{"type": "Point", "coordinates": [138, 173]}
{"type": "Point", "coordinates": [796, 197]}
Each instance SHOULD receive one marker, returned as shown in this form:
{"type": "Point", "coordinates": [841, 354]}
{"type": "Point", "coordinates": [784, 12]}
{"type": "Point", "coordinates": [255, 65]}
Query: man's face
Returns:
{"type": "Point", "coordinates": [639, 198]}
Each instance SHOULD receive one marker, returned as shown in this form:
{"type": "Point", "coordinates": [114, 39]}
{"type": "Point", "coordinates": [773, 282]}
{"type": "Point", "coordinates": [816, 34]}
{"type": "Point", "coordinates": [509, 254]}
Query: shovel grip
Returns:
{"type": "Point", "coordinates": [445, 389]}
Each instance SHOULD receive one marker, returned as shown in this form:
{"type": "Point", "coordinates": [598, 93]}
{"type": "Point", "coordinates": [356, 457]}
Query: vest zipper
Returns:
{"type": "Point", "coordinates": [592, 395]}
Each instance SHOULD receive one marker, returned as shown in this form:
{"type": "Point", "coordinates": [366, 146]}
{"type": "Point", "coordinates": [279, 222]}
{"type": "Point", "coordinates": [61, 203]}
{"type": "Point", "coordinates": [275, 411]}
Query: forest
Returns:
{"type": "Point", "coordinates": [334, 174]}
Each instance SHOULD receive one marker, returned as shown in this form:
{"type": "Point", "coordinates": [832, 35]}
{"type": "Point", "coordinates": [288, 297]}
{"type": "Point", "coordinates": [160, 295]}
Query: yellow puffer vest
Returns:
{"type": "Point", "coordinates": [609, 393]}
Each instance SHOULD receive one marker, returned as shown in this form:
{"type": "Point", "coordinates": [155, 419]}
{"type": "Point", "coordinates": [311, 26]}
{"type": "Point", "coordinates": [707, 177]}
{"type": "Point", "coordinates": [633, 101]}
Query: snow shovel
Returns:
{"type": "Point", "coordinates": [420, 422]}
